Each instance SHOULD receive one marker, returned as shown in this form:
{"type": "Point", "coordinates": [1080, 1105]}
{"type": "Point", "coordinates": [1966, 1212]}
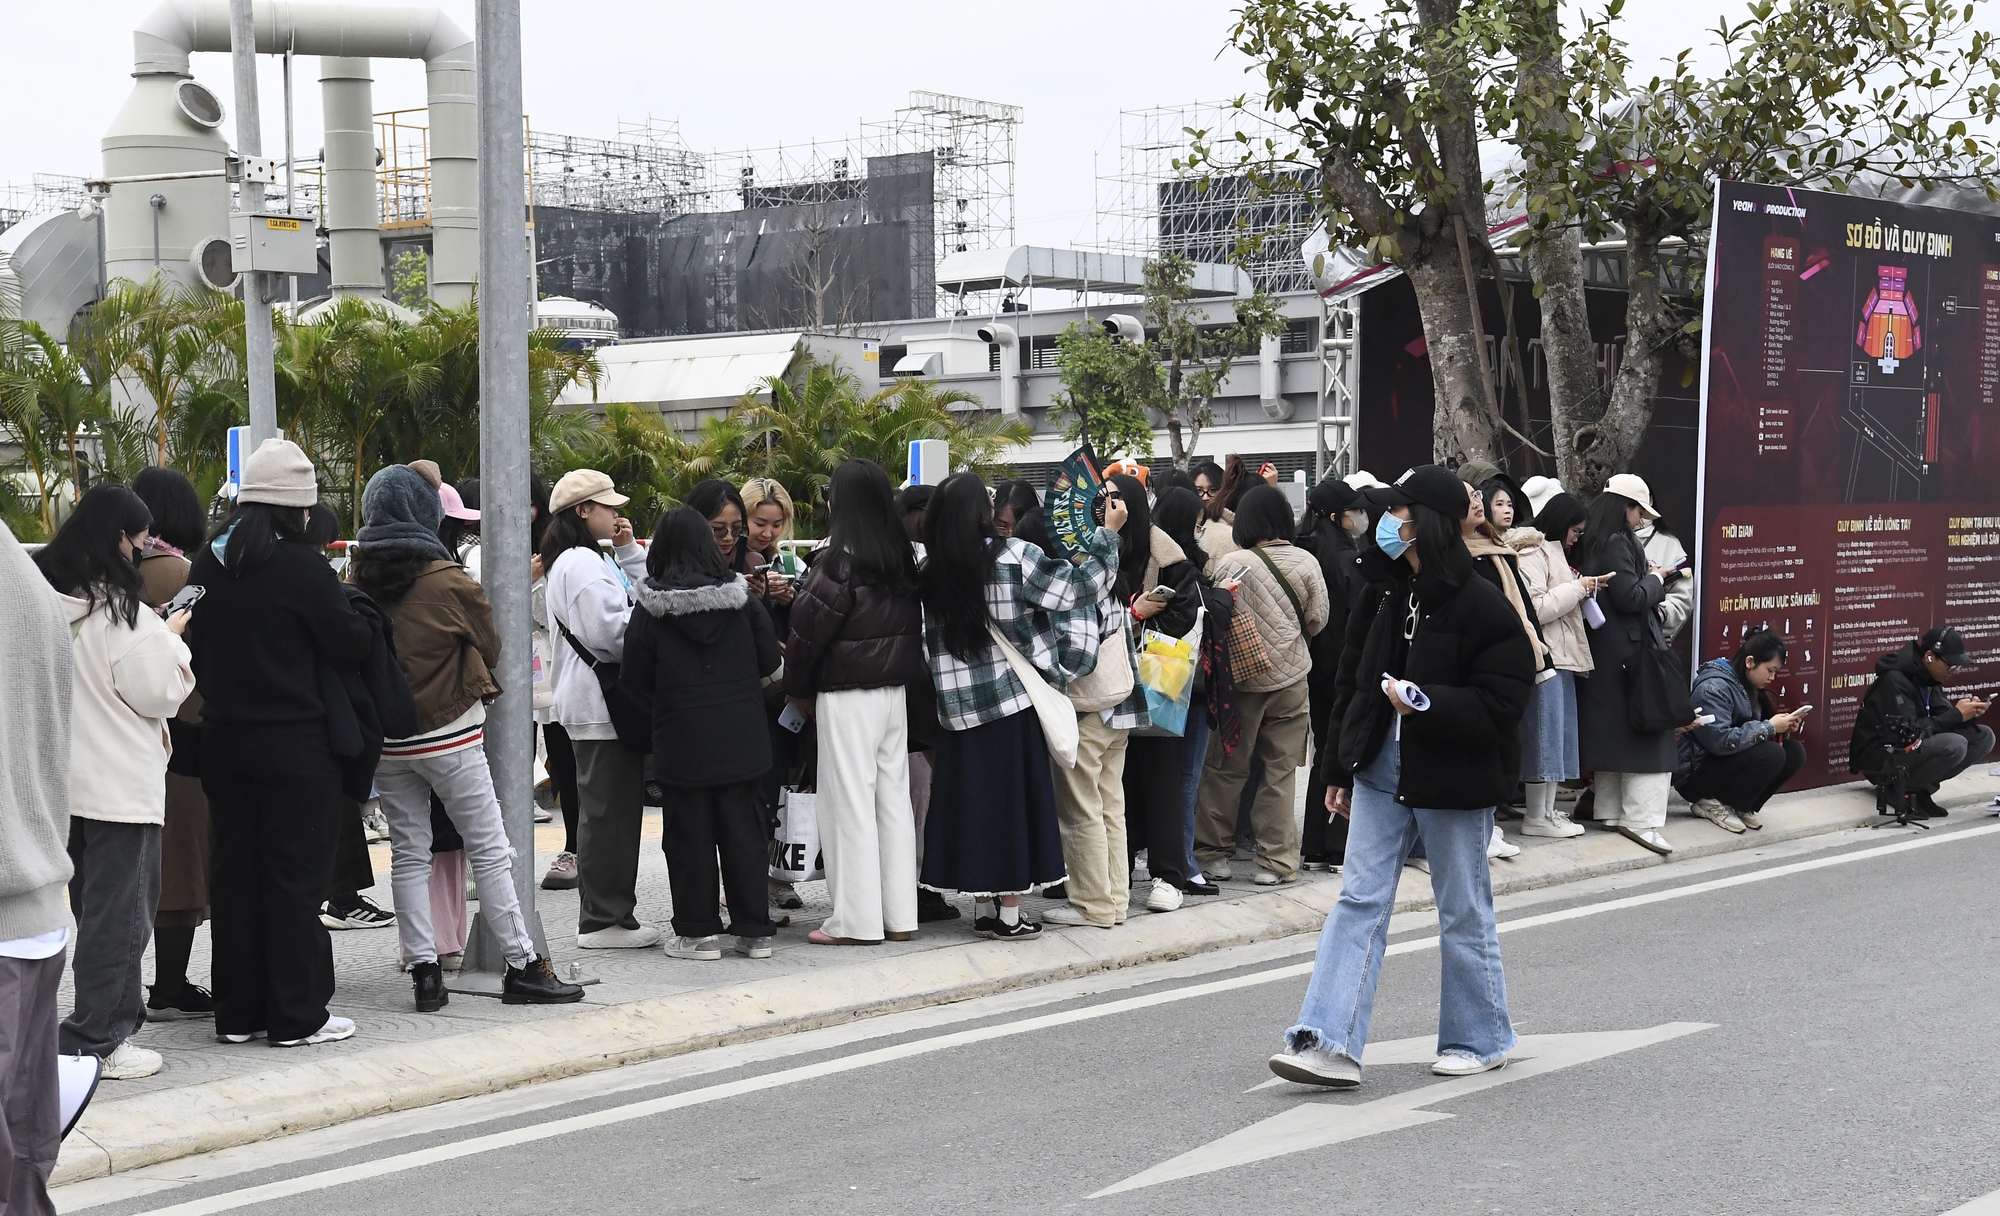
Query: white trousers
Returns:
{"type": "Point", "coordinates": [867, 833]}
{"type": "Point", "coordinates": [1637, 800]}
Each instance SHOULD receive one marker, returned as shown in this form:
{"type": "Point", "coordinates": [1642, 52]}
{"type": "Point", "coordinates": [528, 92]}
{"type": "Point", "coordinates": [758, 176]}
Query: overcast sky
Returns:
{"type": "Point", "coordinates": [752, 73]}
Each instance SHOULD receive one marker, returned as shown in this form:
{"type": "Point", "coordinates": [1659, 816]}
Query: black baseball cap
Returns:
{"type": "Point", "coordinates": [1944, 642]}
{"type": "Point", "coordinates": [916, 497]}
{"type": "Point", "coordinates": [1333, 496]}
{"type": "Point", "coordinates": [1431, 485]}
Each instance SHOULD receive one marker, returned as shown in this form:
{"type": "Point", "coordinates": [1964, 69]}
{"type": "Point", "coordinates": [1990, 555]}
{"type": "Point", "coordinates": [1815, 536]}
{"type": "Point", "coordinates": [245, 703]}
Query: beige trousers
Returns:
{"type": "Point", "coordinates": [1090, 805]}
{"type": "Point", "coordinates": [1276, 727]}
{"type": "Point", "coordinates": [1636, 800]}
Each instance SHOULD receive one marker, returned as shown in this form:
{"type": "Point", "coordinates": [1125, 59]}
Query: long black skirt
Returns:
{"type": "Point", "coordinates": [992, 827]}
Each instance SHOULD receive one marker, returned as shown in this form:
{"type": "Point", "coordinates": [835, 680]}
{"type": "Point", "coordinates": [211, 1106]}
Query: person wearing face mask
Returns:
{"type": "Point", "coordinates": [1558, 593]}
{"type": "Point", "coordinates": [131, 675]}
{"type": "Point", "coordinates": [1439, 675]}
{"type": "Point", "coordinates": [1334, 515]}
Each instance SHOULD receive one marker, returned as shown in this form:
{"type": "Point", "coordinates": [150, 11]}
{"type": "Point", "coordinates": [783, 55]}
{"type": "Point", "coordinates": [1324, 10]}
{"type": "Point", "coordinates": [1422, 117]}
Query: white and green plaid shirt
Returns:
{"type": "Point", "coordinates": [1049, 609]}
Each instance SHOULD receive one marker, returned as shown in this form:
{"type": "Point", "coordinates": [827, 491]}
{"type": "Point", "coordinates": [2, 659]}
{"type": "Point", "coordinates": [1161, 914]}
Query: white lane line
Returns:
{"type": "Point", "coordinates": [1985, 1205]}
{"type": "Point", "coordinates": [418, 1159]}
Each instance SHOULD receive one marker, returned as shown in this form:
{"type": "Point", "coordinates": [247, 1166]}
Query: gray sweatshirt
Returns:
{"type": "Point", "coordinates": [34, 760]}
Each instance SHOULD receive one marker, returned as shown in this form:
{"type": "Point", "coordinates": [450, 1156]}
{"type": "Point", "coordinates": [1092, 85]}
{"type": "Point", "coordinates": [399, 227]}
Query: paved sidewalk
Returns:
{"type": "Point", "coordinates": [212, 1096]}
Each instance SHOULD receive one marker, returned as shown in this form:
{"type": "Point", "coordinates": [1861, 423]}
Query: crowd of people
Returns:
{"type": "Point", "coordinates": [961, 698]}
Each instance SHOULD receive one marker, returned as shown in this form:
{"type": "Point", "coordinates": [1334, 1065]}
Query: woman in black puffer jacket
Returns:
{"type": "Point", "coordinates": [856, 641]}
{"type": "Point", "coordinates": [1440, 673]}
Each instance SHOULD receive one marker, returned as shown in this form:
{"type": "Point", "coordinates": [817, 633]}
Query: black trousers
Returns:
{"type": "Point", "coordinates": [1745, 780]}
{"type": "Point", "coordinates": [1155, 816]}
{"type": "Point", "coordinates": [114, 894]}
{"type": "Point", "coordinates": [699, 824]}
{"type": "Point", "coordinates": [353, 870]}
{"type": "Point", "coordinates": [274, 797]}
{"type": "Point", "coordinates": [562, 775]}
{"type": "Point", "coordinates": [1947, 754]}
{"type": "Point", "coordinates": [1324, 837]}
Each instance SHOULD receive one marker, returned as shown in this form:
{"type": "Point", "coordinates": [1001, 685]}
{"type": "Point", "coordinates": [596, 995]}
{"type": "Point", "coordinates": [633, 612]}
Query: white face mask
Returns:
{"type": "Point", "coordinates": [1355, 522]}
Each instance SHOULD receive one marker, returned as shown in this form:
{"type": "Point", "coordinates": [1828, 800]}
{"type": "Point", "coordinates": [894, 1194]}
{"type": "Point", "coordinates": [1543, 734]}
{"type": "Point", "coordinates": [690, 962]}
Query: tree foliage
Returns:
{"type": "Point", "coordinates": [1105, 389]}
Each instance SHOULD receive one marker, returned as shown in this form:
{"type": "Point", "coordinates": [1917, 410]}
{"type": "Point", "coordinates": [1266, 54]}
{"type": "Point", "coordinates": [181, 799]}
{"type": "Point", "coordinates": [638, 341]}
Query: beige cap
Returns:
{"type": "Point", "coordinates": [278, 473]}
{"type": "Point", "coordinates": [584, 485]}
{"type": "Point", "coordinates": [1634, 487]}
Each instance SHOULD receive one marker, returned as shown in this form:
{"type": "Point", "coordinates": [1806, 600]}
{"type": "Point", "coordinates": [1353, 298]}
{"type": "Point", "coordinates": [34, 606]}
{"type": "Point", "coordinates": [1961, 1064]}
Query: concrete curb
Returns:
{"type": "Point", "coordinates": [118, 1136]}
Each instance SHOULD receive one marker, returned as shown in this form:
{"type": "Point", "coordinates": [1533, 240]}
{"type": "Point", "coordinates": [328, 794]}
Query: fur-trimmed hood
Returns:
{"type": "Point", "coordinates": [697, 607]}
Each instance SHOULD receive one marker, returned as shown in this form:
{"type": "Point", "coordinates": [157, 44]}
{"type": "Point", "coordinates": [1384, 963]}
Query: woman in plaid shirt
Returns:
{"type": "Point", "coordinates": [992, 830]}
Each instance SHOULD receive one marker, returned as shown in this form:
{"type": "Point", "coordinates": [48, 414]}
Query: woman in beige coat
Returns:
{"type": "Point", "coordinates": [1558, 593]}
{"type": "Point", "coordinates": [1280, 586]}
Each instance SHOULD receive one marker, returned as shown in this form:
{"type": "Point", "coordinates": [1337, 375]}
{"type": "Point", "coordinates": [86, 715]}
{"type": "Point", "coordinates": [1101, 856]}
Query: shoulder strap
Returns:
{"type": "Point", "coordinates": [582, 652]}
{"type": "Point", "coordinates": [1290, 594]}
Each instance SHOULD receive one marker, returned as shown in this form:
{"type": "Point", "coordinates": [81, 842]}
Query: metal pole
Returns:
{"type": "Point", "coordinates": [257, 352]}
{"type": "Point", "coordinates": [291, 184]}
{"type": "Point", "coordinates": [503, 455]}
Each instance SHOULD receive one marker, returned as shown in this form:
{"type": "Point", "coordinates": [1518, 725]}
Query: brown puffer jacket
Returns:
{"type": "Point", "coordinates": [446, 643]}
{"type": "Point", "coordinates": [845, 637]}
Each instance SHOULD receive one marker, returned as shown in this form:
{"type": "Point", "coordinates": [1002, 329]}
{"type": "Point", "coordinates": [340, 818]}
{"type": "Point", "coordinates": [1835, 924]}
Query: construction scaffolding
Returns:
{"type": "Point", "coordinates": [1156, 205]}
{"type": "Point", "coordinates": [43, 192]}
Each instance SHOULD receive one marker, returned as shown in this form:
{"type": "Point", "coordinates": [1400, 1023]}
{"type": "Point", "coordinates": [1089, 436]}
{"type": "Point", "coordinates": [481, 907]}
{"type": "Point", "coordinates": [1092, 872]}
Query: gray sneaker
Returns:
{"type": "Point", "coordinates": [707, 949]}
{"type": "Point", "coordinates": [1719, 815]}
{"type": "Point", "coordinates": [752, 947]}
{"type": "Point", "coordinates": [1313, 1066]}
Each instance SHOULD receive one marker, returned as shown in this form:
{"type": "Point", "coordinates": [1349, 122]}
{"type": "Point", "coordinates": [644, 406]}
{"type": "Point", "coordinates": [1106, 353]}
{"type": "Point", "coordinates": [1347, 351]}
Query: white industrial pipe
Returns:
{"type": "Point", "coordinates": [352, 215]}
{"type": "Point", "coordinates": [177, 28]}
{"type": "Point", "coordinates": [1004, 337]}
{"type": "Point", "coordinates": [1270, 382]}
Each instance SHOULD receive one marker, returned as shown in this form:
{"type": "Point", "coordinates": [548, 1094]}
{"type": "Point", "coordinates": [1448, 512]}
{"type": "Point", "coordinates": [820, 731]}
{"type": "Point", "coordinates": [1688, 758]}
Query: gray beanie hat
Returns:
{"type": "Point", "coordinates": [278, 473]}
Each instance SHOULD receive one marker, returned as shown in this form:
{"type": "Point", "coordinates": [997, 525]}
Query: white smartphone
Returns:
{"type": "Point", "coordinates": [792, 720]}
{"type": "Point", "coordinates": [1161, 594]}
{"type": "Point", "coordinates": [1803, 710]}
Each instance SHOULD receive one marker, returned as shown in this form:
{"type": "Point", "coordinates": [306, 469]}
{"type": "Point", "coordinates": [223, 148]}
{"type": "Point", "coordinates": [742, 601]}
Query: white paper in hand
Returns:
{"type": "Point", "coordinates": [1411, 695]}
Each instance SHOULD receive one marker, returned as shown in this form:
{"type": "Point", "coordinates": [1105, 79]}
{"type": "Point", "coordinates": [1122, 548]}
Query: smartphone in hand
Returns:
{"type": "Point", "coordinates": [184, 598]}
{"type": "Point", "coordinates": [1161, 594]}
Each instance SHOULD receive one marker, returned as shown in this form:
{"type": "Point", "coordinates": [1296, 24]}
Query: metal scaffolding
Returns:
{"type": "Point", "coordinates": [42, 192]}
{"type": "Point", "coordinates": [1157, 205]}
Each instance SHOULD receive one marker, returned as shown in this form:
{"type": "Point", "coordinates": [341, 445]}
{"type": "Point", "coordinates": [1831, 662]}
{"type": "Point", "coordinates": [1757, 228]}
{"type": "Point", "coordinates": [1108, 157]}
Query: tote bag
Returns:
{"type": "Point", "coordinates": [795, 852]}
{"type": "Point", "coordinates": [1167, 668]}
{"type": "Point", "coordinates": [1052, 709]}
{"type": "Point", "coordinates": [1656, 689]}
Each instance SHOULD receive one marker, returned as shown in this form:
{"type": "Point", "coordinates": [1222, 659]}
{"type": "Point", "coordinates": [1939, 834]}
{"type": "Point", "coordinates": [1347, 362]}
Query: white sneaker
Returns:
{"type": "Point", "coordinates": [617, 937]}
{"type": "Point", "coordinates": [1749, 820]}
{"type": "Point", "coordinates": [1271, 878]}
{"type": "Point", "coordinates": [1556, 826]}
{"type": "Point", "coordinates": [754, 947]}
{"type": "Point", "coordinates": [1500, 847]}
{"type": "Point", "coordinates": [1312, 1066]}
{"type": "Point", "coordinates": [130, 1062]}
{"type": "Point", "coordinates": [1068, 914]}
{"type": "Point", "coordinates": [1219, 872]}
{"type": "Point", "coordinates": [1455, 1064]}
{"type": "Point", "coordinates": [1647, 837]}
{"type": "Point", "coordinates": [1163, 897]}
{"type": "Point", "coordinates": [334, 1031]}
{"type": "Point", "coordinates": [1418, 863]}
{"type": "Point", "coordinates": [1719, 815]}
{"type": "Point", "coordinates": [705, 949]}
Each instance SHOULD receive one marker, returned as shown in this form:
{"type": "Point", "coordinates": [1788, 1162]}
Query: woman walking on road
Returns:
{"type": "Point", "coordinates": [699, 653]}
{"type": "Point", "coordinates": [446, 645]}
{"type": "Point", "coordinates": [131, 675]}
{"type": "Point", "coordinates": [857, 640]}
{"type": "Point", "coordinates": [589, 602]}
{"type": "Point", "coordinates": [185, 863]}
{"type": "Point", "coordinates": [1427, 736]}
{"type": "Point", "coordinates": [1633, 768]}
{"type": "Point", "coordinates": [1732, 766]}
{"type": "Point", "coordinates": [993, 609]}
{"type": "Point", "coordinates": [274, 615]}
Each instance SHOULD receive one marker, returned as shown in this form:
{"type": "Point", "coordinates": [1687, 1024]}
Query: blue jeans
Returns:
{"type": "Point", "coordinates": [1197, 750]}
{"type": "Point", "coordinates": [1340, 1000]}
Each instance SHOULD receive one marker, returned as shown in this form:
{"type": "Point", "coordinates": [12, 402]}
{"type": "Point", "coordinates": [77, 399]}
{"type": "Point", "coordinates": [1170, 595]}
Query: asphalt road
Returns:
{"type": "Point", "coordinates": [1818, 1040]}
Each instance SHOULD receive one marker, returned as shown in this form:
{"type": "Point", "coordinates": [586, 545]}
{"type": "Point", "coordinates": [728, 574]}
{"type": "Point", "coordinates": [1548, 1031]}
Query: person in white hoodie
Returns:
{"type": "Point", "coordinates": [589, 598]}
{"type": "Point", "coordinates": [131, 674]}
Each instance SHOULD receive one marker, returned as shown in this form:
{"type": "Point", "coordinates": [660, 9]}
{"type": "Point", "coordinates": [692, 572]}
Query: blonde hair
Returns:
{"type": "Point", "coordinates": [760, 490]}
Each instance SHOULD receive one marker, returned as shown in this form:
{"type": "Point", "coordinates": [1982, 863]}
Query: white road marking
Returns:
{"type": "Point", "coordinates": [1985, 1205]}
{"type": "Point", "coordinates": [305, 1184]}
{"type": "Point", "coordinates": [1314, 1125]}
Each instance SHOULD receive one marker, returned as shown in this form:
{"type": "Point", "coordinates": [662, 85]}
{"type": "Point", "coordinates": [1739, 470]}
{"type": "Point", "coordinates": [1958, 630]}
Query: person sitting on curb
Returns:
{"type": "Point", "coordinates": [1906, 724]}
{"type": "Point", "coordinates": [1731, 766]}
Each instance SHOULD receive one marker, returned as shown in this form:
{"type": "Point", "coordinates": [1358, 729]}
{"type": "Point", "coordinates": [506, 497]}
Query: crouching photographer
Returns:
{"type": "Point", "coordinates": [1909, 735]}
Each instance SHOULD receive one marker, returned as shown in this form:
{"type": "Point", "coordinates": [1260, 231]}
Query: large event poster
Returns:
{"type": "Point", "coordinates": [1850, 454]}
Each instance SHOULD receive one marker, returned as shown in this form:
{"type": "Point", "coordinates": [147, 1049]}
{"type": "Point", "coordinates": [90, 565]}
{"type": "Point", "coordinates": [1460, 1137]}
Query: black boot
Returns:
{"type": "Point", "coordinates": [429, 981]}
{"type": "Point", "coordinates": [1925, 806]}
{"type": "Point", "coordinates": [536, 984]}
{"type": "Point", "coordinates": [932, 907]}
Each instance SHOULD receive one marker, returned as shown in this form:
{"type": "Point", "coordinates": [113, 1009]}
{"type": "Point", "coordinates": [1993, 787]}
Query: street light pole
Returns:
{"type": "Point", "coordinates": [257, 347]}
{"type": "Point", "coordinates": [503, 449]}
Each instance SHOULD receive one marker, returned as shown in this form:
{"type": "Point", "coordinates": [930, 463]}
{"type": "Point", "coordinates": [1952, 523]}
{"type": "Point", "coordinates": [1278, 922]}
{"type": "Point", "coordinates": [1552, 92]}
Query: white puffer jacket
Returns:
{"type": "Point", "coordinates": [129, 680]}
{"type": "Point", "coordinates": [1558, 598]}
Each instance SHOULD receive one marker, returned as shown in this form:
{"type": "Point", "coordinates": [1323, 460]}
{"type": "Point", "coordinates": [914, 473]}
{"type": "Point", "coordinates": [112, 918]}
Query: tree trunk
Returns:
{"type": "Point", "coordinates": [1575, 398]}
{"type": "Point", "coordinates": [1462, 424]}
{"type": "Point", "coordinates": [1180, 449]}
{"type": "Point", "coordinates": [1607, 448]}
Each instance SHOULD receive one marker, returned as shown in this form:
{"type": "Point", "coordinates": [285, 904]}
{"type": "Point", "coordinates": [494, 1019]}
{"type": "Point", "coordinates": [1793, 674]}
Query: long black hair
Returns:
{"type": "Point", "coordinates": [683, 549]}
{"type": "Point", "coordinates": [1177, 512]}
{"type": "Point", "coordinates": [1605, 524]}
{"type": "Point", "coordinates": [1759, 647]}
{"type": "Point", "coordinates": [1558, 515]}
{"type": "Point", "coordinates": [566, 531]}
{"type": "Point", "coordinates": [866, 537]}
{"type": "Point", "coordinates": [1135, 539]}
{"type": "Point", "coordinates": [709, 496]}
{"type": "Point", "coordinates": [254, 530]}
{"type": "Point", "coordinates": [83, 560]}
{"type": "Point", "coordinates": [959, 555]}
{"type": "Point", "coordinates": [1441, 547]}
{"type": "Point", "coordinates": [177, 515]}
{"type": "Point", "coordinates": [1016, 496]}
{"type": "Point", "coordinates": [456, 532]}
{"type": "Point", "coordinates": [538, 520]}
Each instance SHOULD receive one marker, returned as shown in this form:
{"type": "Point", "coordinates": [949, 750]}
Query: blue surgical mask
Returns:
{"type": "Point", "coordinates": [1389, 536]}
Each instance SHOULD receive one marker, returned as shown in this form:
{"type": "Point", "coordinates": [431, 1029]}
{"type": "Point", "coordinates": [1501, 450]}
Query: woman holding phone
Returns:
{"type": "Point", "coordinates": [1731, 764]}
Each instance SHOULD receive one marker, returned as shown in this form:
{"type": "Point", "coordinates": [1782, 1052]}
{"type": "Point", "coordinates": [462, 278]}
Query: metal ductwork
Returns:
{"type": "Point", "coordinates": [352, 215]}
{"type": "Point", "coordinates": [1271, 380]}
{"type": "Point", "coordinates": [1004, 337]}
{"type": "Point", "coordinates": [343, 34]}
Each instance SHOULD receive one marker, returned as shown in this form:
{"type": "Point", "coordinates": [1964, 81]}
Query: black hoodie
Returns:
{"type": "Point", "coordinates": [1905, 704]}
{"type": "Point", "coordinates": [699, 655]}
